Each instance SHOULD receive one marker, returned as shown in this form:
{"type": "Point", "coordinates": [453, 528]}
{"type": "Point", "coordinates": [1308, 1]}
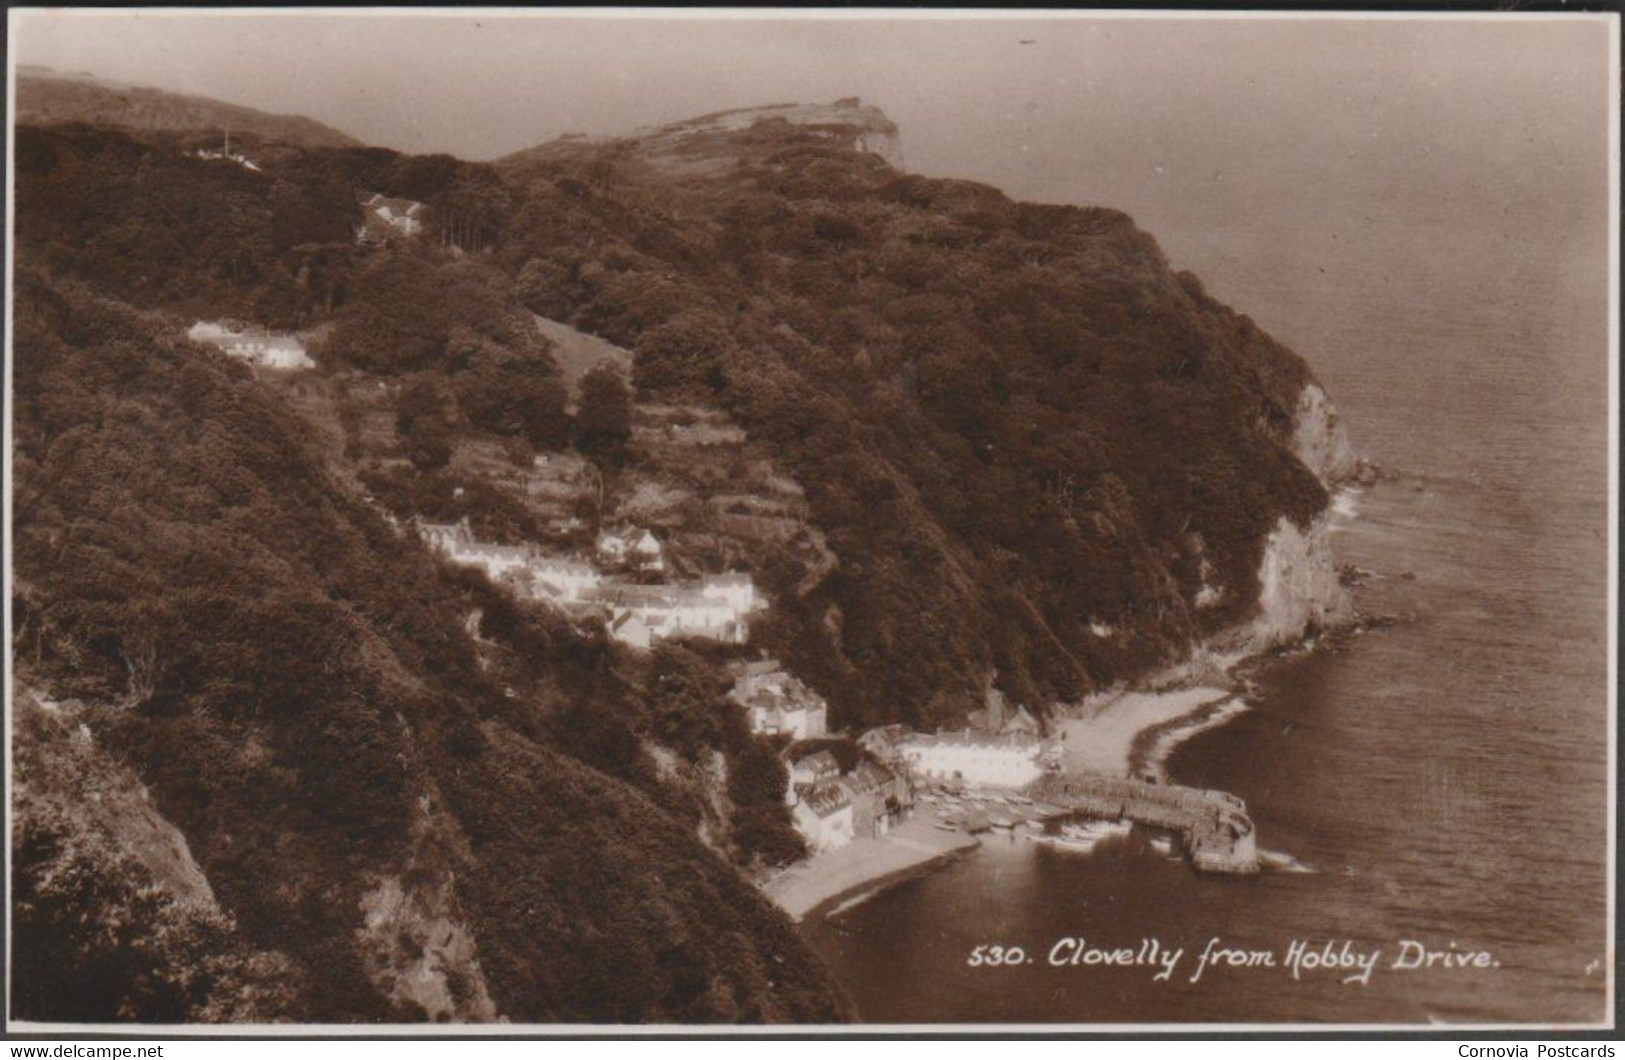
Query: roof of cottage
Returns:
{"type": "Point", "coordinates": [824, 799]}
{"type": "Point", "coordinates": [819, 762]}
{"type": "Point", "coordinates": [1003, 742]}
{"type": "Point", "coordinates": [868, 777]}
{"type": "Point", "coordinates": [563, 565]}
{"type": "Point", "coordinates": [398, 207]}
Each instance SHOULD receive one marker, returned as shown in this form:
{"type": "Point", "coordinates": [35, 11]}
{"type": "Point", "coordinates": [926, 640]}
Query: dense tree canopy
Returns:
{"type": "Point", "coordinates": [296, 683]}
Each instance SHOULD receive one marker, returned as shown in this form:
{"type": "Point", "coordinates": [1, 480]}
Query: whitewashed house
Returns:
{"type": "Point", "coordinates": [384, 218]}
{"type": "Point", "coordinates": [814, 769]}
{"type": "Point", "coordinates": [823, 815]}
{"type": "Point", "coordinates": [254, 345]}
{"type": "Point", "coordinates": [629, 627]}
{"type": "Point", "coordinates": [226, 154]}
{"type": "Point", "coordinates": [444, 537]}
{"type": "Point", "coordinates": [776, 702]}
{"type": "Point", "coordinates": [669, 611]}
{"type": "Point", "coordinates": [564, 580]}
{"type": "Point", "coordinates": [636, 547]}
{"type": "Point", "coordinates": [498, 561]}
{"type": "Point", "coordinates": [456, 542]}
{"type": "Point", "coordinates": [1008, 761]}
{"type": "Point", "coordinates": [737, 590]}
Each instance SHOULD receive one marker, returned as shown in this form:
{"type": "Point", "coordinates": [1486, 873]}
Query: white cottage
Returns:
{"type": "Point", "coordinates": [1011, 761]}
{"type": "Point", "coordinates": [823, 815]}
{"type": "Point", "coordinates": [254, 345]}
{"type": "Point", "coordinates": [637, 547]}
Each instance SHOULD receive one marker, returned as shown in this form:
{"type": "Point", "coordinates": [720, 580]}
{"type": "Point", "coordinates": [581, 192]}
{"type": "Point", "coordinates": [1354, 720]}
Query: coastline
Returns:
{"type": "Point", "coordinates": [864, 865]}
{"type": "Point", "coordinates": [1119, 737]}
{"type": "Point", "coordinates": [1112, 738]}
{"type": "Point", "coordinates": [1126, 733]}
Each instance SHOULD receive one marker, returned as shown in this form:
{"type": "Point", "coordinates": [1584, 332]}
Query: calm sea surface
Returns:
{"type": "Point", "coordinates": [1443, 781]}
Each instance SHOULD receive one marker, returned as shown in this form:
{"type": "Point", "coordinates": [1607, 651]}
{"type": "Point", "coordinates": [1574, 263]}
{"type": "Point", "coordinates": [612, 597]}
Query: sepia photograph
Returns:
{"type": "Point", "coordinates": [810, 521]}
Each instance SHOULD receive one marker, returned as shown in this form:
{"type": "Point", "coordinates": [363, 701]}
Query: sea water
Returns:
{"type": "Point", "coordinates": [1430, 796]}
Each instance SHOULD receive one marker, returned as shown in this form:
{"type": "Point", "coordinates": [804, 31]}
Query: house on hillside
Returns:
{"type": "Point", "coordinates": [633, 547]}
{"type": "Point", "coordinates": [254, 345]}
{"type": "Point", "coordinates": [816, 768]}
{"type": "Point", "coordinates": [629, 627]}
{"type": "Point", "coordinates": [384, 219]}
{"type": "Point", "coordinates": [456, 542]}
{"type": "Point", "coordinates": [735, 589]}
{"type": "Point", "coordinates": [776, 702]}
{"type": "Point", "coordinates": [444, 537]}
{"type": "Point", "coordinates": [884, 742]}
{"type": "Point", "coordinates": [878, 796]}
{"type": "Point", "coordinates": [498, 561]}
{"type": "Point", "coordinates": [561, 580]}
{"type": "Point", "coordinates": [669, 611]}
{"type": "Point", "coordinates": [823, 815]}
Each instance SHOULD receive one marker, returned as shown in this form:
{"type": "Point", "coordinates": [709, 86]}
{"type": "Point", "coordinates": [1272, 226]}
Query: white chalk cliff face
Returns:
{"type": "Point", "coordinates": [1298, 587]}
{"type": "Point", "coordinates": [1299, 591]}
{"type": "Point", "coordinates": [1320, 440]}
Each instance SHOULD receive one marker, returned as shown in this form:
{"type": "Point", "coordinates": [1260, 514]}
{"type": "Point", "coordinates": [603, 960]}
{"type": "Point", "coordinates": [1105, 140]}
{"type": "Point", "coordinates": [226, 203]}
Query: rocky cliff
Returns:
{"type": "Point", "coordinates": [1299, 588]}
{"type": "Point", "coordinates": [1299, 592]}
{"type": "Point", "coordinates": [1319, 438]}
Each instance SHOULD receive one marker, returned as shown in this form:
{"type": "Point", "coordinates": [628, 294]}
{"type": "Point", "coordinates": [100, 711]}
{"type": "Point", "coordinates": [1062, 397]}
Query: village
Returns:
{"type": "Point", "coordinates": [868, 806]}
{"type": "Point", "coordinates": [832, 802]}
{"type": "Point", "coordinates": [713, 607]}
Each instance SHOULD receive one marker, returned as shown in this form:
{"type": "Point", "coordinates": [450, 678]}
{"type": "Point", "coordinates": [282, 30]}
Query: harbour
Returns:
{"type": "Point", "coordinates": [1363, 763]}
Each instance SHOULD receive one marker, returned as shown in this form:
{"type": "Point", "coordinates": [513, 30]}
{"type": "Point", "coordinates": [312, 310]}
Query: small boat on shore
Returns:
{"type": "Point", "coordinates": [1097, 831]}
{"type": "Point", "coordinates": [1065, 844]}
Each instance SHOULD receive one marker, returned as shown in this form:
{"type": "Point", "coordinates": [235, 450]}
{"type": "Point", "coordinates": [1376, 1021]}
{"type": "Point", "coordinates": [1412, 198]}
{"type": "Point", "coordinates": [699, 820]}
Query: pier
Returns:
{"type": "Point", "coordinates": [1213, 825]}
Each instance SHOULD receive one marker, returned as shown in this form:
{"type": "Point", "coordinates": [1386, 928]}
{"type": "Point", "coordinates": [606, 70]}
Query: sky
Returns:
{"type": "Point", "coordinates": [1257, 150]}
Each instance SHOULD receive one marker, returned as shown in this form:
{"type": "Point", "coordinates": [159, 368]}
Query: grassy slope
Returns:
{"type": "Point", "coordinates": [46, 99]}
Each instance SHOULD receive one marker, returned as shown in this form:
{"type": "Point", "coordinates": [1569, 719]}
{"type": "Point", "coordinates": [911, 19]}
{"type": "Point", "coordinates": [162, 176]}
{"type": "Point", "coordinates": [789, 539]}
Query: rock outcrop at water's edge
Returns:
{"type": "Point", "coordinates": [1299, 591]}
{"type": "Point", "coordinates": [1320, 440]}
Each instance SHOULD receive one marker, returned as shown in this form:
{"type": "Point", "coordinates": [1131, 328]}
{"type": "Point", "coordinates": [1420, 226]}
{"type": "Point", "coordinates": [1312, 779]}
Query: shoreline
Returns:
{"type": "Point", "coordinates": [863, 868]}
{"type": "Point", "coordinates": [1115, 737]}
{"type": "Point", "coordinates": [1127, 733]}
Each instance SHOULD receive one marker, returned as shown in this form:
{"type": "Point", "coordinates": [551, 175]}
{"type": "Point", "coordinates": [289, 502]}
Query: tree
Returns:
{"type": "Point", "coordinates": [542, 402]}
{"type": "Point", "coordinates": [511, 394]}
{"type": "Point", "coordinates": [424, 424]}
{"type": "Point", "coordinates": [765, 832]}
{"type": "Point", "coordinates": [688, 351]}
{"type": "Point", "coordinates": [429, 447]}
{"type": "Point", "coordinates": [548, 285]}
{"type": "Point", "coordinates": [604, 418]}
{"type": "Point", "coordinates": [397, 320]}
